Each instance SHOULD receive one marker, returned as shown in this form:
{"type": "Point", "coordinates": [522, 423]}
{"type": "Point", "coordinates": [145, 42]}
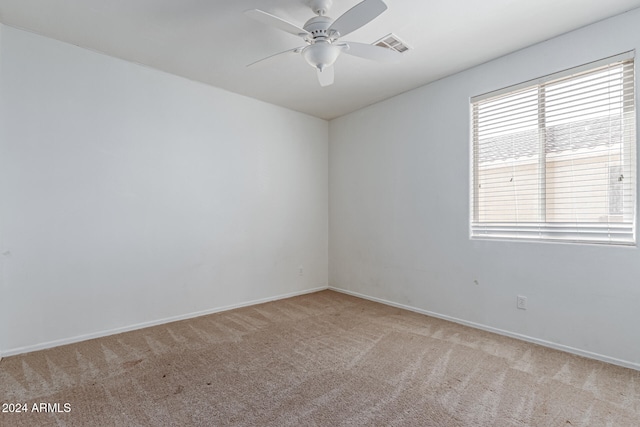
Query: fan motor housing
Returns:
{"type": "Point", "coordinates": [318, 26]}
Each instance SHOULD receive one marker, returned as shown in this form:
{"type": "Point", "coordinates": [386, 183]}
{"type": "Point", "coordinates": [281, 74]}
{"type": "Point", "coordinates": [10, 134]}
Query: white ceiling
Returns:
{"type": "Point", "coordinates": [212, 41]}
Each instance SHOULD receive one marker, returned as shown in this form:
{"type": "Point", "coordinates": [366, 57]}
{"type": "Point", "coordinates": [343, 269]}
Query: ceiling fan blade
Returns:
{"type": "Point", "coordinates": [274, 21]}
{"type": "Point", "coordinates": [296, 50]}
{"type": "Point", "coordinates": [357, 16]}
{"type": "Point", "coordinates": [325, 77]}
{"type": "Point", "coordinates": [369, 51]}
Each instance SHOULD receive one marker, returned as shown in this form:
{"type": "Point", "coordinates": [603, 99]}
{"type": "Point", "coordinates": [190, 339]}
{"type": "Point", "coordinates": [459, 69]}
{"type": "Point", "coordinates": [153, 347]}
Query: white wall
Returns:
{"type": "Point", "coordinates": [399, 215]}
{"type": "Point", "coordinates": [3, 301]}
{"type": "Point", "coordinates": [132, 196]}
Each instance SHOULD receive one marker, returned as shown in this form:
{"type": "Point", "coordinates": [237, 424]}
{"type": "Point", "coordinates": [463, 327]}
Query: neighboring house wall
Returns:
{"type": "Point", "coordinates": [131, 196]}
{"type": "Point", "coordinates": [399, 215]}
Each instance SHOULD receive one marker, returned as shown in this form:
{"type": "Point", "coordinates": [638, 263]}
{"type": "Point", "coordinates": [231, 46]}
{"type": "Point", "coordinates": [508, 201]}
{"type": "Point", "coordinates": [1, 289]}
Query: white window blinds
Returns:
{"type": "Point", "coordinates": [555, 159]}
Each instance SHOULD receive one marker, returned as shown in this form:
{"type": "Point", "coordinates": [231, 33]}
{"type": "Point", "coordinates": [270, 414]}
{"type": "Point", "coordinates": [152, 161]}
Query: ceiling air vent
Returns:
{"type": "Point", "coordinates": [391, 41]}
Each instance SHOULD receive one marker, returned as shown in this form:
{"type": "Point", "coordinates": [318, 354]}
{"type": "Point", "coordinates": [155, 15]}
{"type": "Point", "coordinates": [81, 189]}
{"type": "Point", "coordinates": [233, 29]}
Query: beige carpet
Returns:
{"type": "Point", "coordinates": [324, 359]}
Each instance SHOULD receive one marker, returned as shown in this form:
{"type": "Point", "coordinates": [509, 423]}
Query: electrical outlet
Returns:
{"type": "Point", "coordinates": [522, 302]}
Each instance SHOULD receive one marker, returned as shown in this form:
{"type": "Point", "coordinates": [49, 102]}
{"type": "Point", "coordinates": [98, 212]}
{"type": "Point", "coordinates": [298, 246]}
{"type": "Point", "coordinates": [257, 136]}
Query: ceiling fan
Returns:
{"type": "Point", "coordinates": [321, 35]}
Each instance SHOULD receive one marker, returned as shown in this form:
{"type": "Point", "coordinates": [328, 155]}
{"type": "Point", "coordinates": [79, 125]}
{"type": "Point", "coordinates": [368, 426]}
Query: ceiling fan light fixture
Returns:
{"type": "Point", "coordinates": [321, 54]}
{"type": "Point", "coordinates": [322, 35]}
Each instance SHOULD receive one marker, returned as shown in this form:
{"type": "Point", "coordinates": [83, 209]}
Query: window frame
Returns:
{"type": "Point", "coordinates": [543, 225]}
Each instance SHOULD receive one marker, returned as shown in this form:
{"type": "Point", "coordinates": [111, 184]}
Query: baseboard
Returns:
{"type": "Point", "coordinates": [549, 344]}
{"type": "Point", "coordinates": [65, 341]}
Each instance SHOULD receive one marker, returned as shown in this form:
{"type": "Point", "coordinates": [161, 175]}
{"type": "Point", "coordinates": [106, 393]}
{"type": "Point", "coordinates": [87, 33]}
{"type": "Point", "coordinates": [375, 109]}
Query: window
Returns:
{"type": "Point", "coordinates": [555, 158]}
